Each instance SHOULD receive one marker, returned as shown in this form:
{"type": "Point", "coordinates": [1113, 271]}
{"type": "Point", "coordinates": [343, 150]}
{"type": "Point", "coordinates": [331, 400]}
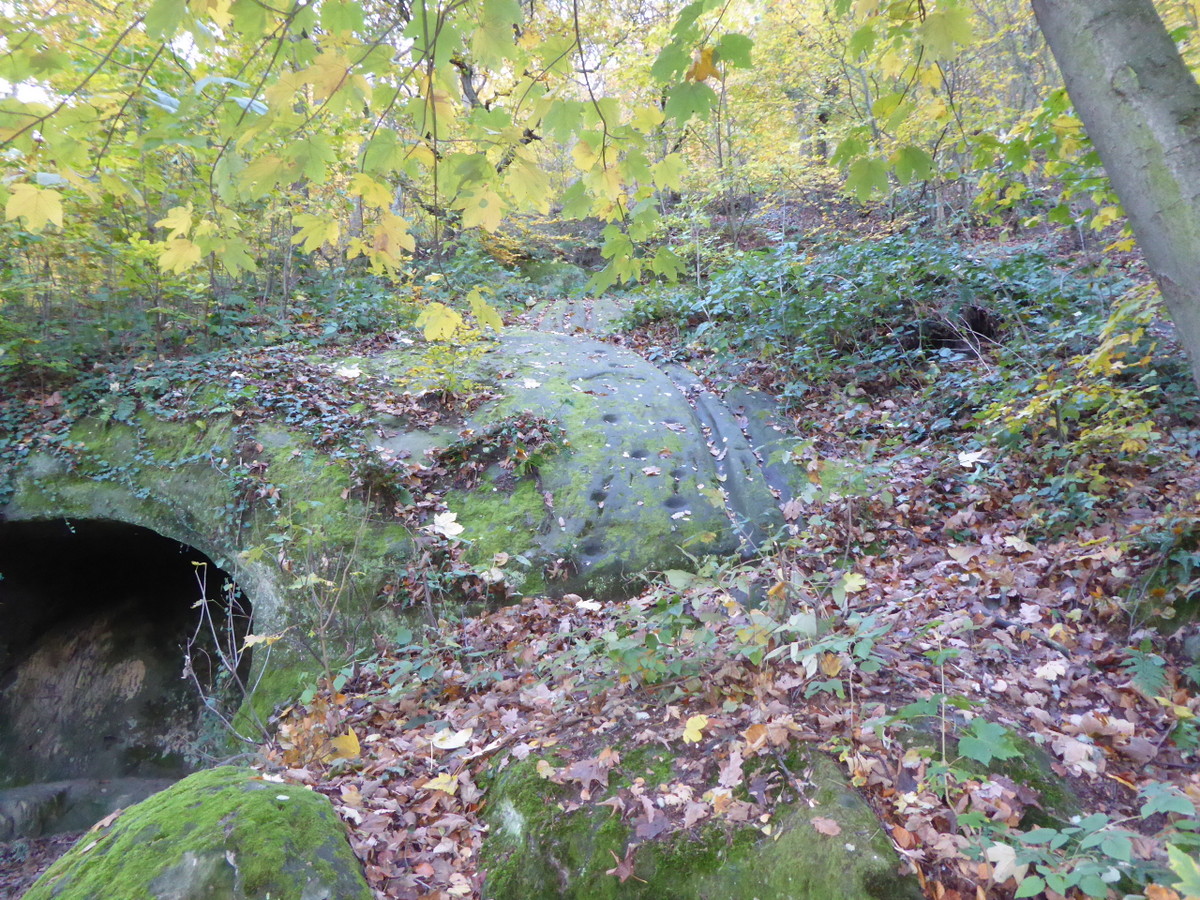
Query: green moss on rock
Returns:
{"type": "Point", "coordinates": [535, 849]}
{"type": "Point", "coordinates": [221, 833]}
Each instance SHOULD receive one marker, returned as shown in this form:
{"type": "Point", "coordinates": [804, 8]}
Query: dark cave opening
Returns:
{"type": "Point", "coordinates": [111, 646]}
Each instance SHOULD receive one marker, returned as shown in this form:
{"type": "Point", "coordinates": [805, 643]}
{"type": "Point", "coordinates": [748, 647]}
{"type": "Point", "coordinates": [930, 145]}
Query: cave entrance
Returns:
{"type": "Point", "coordinates": [111, 646]}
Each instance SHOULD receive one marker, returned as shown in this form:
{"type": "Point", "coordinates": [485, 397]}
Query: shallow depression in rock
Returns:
{"type": "Point", "coordinates": [100, 621]}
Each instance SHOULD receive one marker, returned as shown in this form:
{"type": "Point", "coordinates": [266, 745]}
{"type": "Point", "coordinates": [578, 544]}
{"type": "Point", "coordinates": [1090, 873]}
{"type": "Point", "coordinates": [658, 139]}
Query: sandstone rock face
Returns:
{"type": "Point", "coordinates": [656, 471]}
{"type": "Point", "coordinates": [222, 833]}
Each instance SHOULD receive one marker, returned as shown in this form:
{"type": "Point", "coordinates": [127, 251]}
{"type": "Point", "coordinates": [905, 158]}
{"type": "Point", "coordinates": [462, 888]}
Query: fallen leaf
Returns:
{"type": "Point", "coordinates": [826, 826]}
{"type": "Point", "coordinates": [624, 867]}
{"type": "Point", "coordinates": [693, 731]}
{"type": "Point", "coordinates": [755, 737]}
{"type": "Point", "coordinates": [345, 746]}
{"type": "Point", "coordinates": [452, 740]}
{"type": "Point", "coordinates": [831, 664]}
{"type": "Point", "coordinates": [445, 782]}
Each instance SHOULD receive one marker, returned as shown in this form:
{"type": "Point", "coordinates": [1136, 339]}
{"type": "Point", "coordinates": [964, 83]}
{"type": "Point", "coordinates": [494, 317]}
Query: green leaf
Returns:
{"type": "Point", "coordinates": [944, 30]}
{"type": "Point", "coordinates": [867, 176]}
{"type": "Point", "coordinates": [492, 41]}
{"type": "Point", "coordinates": [236, 258]}
{"type": "Point", "coordinates": [734, 50]}
{"type": "Point", "coordinates": [341, 16]}
{"type": "Point", "coordinates": [912, 164]}
{"type": "Point", "coordinates": [383, 154]}
{"type": "Point", "coordinates": [687, 99]}
{"type": "Point", "coordinates": [667, 264]}
{"type": "Point", "coordinates": [1187, 867]}
{"type": "Point", "coordinates": [164, 18]}
{"type": "Point", "coordinates": [1030, 886]}
{"type": "Point", "coordinates": [673, 60]}
{"type": "Point", "coordinates": [986, 741]}
{"type": "Point", "coordinates": [862, 40]}
{"type": "Point", "coordinates": [312, 155]}
{"type": "Point", "coordinates": [1165, 798]}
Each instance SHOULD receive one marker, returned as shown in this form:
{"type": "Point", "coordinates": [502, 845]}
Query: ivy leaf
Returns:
{"type": "Point", "coordinates": [37, 206]}
{"type": "Point", "coordinates": [944, 30]}
{"type": "Point", "coordinates": [179, 256]}
{"type": "Point", "coordinates": [439, 323]}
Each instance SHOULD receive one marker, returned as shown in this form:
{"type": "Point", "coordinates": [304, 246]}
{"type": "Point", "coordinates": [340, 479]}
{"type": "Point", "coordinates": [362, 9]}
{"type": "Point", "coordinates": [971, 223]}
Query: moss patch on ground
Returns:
{"type": "Point", "coordinates": [224, 831]}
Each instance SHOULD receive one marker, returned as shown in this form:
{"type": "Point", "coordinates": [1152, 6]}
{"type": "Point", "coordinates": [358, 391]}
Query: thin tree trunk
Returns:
{"type": "Point", "coordinates": [1141, 108]}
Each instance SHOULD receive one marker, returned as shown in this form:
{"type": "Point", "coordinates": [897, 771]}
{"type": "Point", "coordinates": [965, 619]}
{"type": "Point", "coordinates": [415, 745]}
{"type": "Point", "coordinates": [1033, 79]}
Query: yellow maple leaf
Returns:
{"type": "Point", "coordinates": [178, 220]}
{"type": "Point", "coordinates": [831, 664]}
{"type": "Point", "coordinates": [444, 782]}
{"type": "Point", "coordinates": [481, 208]}
{"type": "Point", "coordinates": [484, 312]}
{"type": "Point", "coordinates": [315, 231]}
{"type": "Point", "coordinates": [345, 746]}
{"type": "Point", "coordinates": [703, 69]}
{"type": "Point", "coordinates": [327, 74]}
{"type": "Point", "coordinates": [372, 192]}
{"type": "Point", "coordinates": [852, 582]}
{"type": "Point", "coordinates": [439, 322]}
{"type": "Point", "coordinates": [178, 256]}
{"type": "Point", "coordinates": [37, 206]}
{"type": "Point", "coordinates": [693, 730]}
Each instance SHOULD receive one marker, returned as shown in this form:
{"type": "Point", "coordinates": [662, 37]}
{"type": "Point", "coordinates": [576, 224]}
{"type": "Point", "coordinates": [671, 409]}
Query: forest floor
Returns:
{"type": "Point", "coordinates": [922, 589]}
{"type": "Point", "coordinates": [915, 601]}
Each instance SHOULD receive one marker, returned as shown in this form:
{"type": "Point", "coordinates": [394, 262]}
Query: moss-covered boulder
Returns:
{"type": "Point", "coordinates": [221, 834]}
{"type": "Point", "coordinates": [536, 848]}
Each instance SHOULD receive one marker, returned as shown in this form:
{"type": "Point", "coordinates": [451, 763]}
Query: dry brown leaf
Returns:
{"type": "Point", "coordinates": [826, 826]}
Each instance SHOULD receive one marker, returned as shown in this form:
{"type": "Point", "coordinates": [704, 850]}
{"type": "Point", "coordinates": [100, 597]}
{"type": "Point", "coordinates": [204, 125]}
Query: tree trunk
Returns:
{"type": "Point", "coordinates": [1141, 108]}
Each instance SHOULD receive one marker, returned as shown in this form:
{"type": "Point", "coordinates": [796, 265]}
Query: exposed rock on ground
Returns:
{"type": "Point", "coordinates": [222, 833]}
